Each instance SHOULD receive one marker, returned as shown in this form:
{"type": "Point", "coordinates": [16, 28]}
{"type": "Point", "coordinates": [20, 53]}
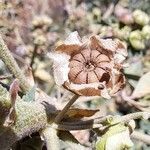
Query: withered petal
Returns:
{"type": "Point", "coordinates": [119, 83]}
{"type": "Point", "coordinates": [73, 38]}
{"type": "Point", "coordinates": [69, 49]}
{"type": "Point", "coordinates": [121, 48]}
{"type": "Point", "coordinates": [104, 46]}
{"type": "Point", "coordinates": [120, 79]}
{"type": "Point", "coordinates": [119, 59]}
{"type": "Point", "coordinates": [108, 44]}
{"type": "Point", "coordinates": [60, 67]}
{"type": "Point", "coordinates": [94, 44]}
{"type": "Point", "coordinates": [90, 92]}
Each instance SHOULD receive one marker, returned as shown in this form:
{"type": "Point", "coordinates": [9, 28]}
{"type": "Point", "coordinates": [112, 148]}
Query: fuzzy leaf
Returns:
{"type": "Point", "coordinates": [101, 143]}
{"type": "Point", "coordinates": [143, 86]}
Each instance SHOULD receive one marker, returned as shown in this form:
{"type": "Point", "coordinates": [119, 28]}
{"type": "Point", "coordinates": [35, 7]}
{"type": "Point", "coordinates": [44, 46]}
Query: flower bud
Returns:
{"type": "Point", "coordinates": [123, 33]}
{"type": "Point", "coordinates": [106, 31]}
{"type": "Point", "coordinates": [96, 14]}
{"type": "Point", "coordinates": [146, 32]}
{"type": "Point", "coordinates": [40, 21]}
{"type": "Point", "coordinates": [140, 17]}
{"type": "Point", "coordinates": [137, 40]}
{"type": "Point", "coordinates": [117, 137]}
{"type": "Point", "coordinates": [40, 40]}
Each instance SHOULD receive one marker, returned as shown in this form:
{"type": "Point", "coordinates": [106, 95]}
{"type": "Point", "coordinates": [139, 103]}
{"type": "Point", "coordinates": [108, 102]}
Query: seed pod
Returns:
{"type": "Point", "coordinates": [91, 68]}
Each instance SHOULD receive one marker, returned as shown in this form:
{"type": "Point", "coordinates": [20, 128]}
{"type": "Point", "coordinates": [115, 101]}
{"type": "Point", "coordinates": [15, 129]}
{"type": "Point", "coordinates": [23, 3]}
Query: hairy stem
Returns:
{"type": "Point", "coordinates": [141, 137]}
{"type": "Point", "coordinates": [33, 55]}
{"type": "Point", "coordinates": [13, 67]}
{"type": "Point", "coordinates": [136, 115]}
{"type": "Point", "coordinates": [50, 137]}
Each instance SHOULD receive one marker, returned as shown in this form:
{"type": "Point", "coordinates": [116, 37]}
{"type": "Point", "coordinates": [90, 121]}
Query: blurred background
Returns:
{"type": "Point", "coordinates": [32, 28]}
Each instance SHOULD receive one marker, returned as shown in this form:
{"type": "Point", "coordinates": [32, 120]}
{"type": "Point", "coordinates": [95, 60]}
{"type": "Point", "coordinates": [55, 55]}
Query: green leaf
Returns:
{"type": "Point", "coordinates": [100, 145]}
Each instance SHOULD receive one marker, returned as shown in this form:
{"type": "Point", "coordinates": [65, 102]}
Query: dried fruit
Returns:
{"type": "Point", "coordinates": [90, 68]}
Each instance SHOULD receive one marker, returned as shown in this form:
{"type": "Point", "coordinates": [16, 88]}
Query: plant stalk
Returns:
{"type": "Point", "coordinates": [13, 67]}
{"type": "Point", "coordinates": [60, 116]}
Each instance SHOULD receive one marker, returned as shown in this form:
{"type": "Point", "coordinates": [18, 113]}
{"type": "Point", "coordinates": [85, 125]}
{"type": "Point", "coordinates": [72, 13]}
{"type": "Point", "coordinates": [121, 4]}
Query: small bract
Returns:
{"type": "Point", "coordinates": [89, 67]}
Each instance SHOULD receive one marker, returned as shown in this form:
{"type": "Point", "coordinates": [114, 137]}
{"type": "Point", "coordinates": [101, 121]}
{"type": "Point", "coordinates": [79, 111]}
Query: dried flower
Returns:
{"type": "Point", "coordinates": [90, 67]}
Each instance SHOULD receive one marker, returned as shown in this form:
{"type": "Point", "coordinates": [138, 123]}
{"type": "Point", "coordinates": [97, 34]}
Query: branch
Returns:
{"type": "Point", "coordinates": [60, 116]}
{"type": "Point", "coordinates": [141, 137]}
{"type": "Point", "coordinates": [136, 115]}
{"type": "Point", "coordinates": [11, 64]}
{"type": "Point", "coordinates": [50, 137]}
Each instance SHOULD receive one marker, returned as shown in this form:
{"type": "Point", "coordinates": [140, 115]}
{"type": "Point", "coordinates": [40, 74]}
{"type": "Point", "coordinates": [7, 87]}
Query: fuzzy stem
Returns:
{"type": "Point", "coordinates": [141, 137]}
{"type": "Point", "coordinates": [50, 137]}
{"type": "Point", "coordinates": [60, 116]}
{"type": "Point", "coordinates": [136, 115]}
{"type": "Point", "coordinates": [11, 64]}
